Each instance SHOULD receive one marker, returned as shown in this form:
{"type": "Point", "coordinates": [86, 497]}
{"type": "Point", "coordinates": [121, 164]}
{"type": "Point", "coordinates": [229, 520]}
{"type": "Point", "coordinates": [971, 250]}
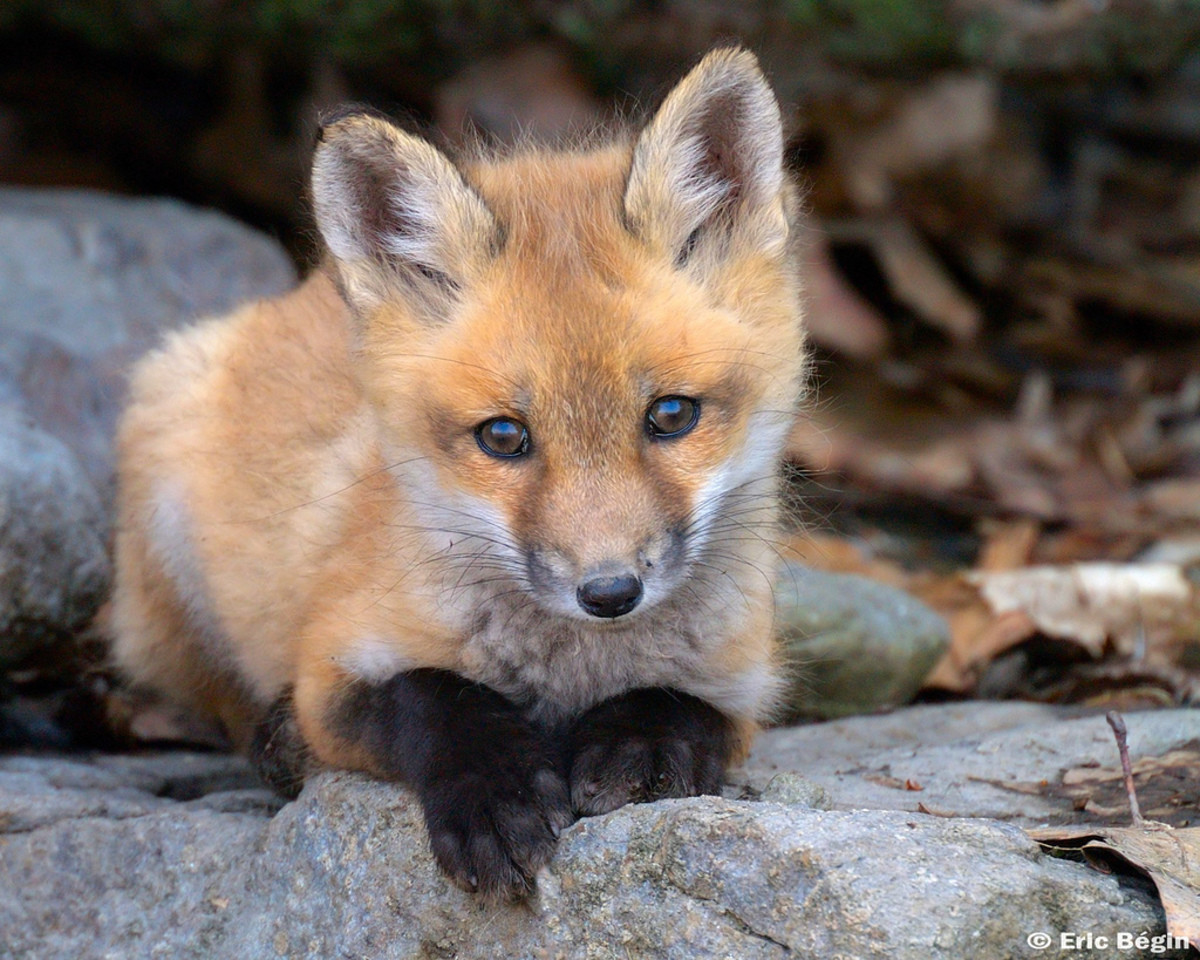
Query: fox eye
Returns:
{"type": "Point", "coordinates": [672, 416]}
{"type": "Point", "coordinates": [503, 437]}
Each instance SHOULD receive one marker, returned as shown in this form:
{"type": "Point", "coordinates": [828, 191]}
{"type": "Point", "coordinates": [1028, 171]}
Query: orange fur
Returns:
{"type": "Point", "coordinates": [290, 474]}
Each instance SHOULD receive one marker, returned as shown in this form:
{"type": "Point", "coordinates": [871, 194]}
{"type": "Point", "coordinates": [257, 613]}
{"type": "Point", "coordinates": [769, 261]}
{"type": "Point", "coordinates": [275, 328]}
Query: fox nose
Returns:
{"type": "Point", "coordinates": [610, 596]}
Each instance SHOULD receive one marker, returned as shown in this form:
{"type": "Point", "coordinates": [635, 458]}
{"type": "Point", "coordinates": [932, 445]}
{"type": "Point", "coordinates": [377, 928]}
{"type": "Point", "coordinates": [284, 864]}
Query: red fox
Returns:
{"type": "Point", "coordinates": [486, 505]}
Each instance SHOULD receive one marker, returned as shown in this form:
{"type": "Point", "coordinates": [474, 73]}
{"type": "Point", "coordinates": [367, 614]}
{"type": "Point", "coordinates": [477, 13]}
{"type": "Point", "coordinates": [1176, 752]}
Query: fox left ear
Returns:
{"type": "Point", "coordinates": [397, 217]}
{"type": "Point", "coordinates": [707, 171]}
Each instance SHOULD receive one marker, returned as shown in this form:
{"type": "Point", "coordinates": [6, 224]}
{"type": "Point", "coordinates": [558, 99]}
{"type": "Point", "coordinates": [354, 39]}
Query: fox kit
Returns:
{"type": "Point", "coordinates": [486, 505]}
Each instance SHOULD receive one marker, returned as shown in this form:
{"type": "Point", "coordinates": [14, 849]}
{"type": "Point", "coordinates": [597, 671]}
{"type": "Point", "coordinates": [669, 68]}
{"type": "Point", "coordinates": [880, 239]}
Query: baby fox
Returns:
{"type": "Point", "coordinates": [486, 505]}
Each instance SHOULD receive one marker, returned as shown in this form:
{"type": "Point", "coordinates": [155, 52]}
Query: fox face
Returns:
{"type": "Point", "coordinates": [599, 480]}
{"type": "Point", "coordinates": [584, 364]}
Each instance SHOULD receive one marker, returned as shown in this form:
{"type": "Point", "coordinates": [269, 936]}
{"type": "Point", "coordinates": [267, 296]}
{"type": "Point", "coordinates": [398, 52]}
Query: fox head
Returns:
{"type": "Point", "coordinates": [584, 362]}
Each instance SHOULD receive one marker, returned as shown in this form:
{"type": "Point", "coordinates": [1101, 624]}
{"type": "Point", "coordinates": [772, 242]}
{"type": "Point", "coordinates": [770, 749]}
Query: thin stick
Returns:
{"type": "Point", "coordinates": [1117, 722]}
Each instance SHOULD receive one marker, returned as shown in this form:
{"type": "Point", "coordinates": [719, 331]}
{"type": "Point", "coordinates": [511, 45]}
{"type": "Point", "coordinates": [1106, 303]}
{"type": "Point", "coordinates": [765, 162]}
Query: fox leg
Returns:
{"type": "Point", "coordinates": [158, 644]}
{"type": "Point", "coordinates": [647, 744]}
{"type": "Point", "coordinates": [489, 782]}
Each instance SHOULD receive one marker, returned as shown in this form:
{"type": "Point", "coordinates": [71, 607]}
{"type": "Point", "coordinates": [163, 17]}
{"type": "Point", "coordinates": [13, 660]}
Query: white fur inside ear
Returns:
{"type": "Point", "coordinates": [714, 147]}
{"type": "Point", "coordinates": [384, 202]}
{"type": "Point", "coordinates": [414, 201]}
{"type": "Point", "coordinates": [392, 209]}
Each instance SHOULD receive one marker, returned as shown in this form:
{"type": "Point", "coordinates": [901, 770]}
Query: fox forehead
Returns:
{"type": "Point", "coordinates": [574, 306]}
{"type": "Point", "coordinates": [602, 349]}
{"type": "Point", "coordinates": [559, 207]}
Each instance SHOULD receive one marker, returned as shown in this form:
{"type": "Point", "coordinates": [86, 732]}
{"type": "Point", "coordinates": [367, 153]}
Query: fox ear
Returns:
{"type": "Point", "coordinates": [707, 171]}
{"type": "Point", "coordinates": [396, 215]}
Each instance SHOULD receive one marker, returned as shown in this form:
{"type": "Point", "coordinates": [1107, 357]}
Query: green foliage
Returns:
{"type": "Point", "coordinates": [881, 32]}
{"type": "Point", "coordinates": [876, 35]}
{"type": "Point", "coordinates": [354, 31]}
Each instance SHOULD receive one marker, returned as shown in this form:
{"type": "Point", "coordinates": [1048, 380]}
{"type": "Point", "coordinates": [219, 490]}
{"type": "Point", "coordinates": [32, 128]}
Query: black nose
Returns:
{"type": "Point", "coordinates": [610, 596]}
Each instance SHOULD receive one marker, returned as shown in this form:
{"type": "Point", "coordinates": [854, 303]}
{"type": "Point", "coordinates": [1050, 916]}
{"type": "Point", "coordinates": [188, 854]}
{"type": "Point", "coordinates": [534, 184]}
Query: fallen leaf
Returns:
{"type": "Point", "coordinates": [934, 812]}
{"type": "Point", "coordinates": [1169, 855]}
{"type": "Point", "coordinates": [885, 780]}
{"type": "Point", "coordinates": [914, 274]}
{"type": "Point", "coordinates": [1009, 546]}
{"type": "Point", "coordinates": [1090, 603]}
{"type": "Point", "coordinates": [977, 634]}
{"type": "Point", "coordinates": [1185, 762]}
{"type": "Point", "coordinates": [1177, 499]}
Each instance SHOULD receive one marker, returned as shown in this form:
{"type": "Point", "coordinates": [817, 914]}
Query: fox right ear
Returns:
{"type": "Point", "coordinates": [396, 215]}
{"type": "Point", "coordinates": [707, 174]}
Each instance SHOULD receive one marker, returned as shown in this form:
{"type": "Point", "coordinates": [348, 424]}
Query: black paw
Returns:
{"type": "Point", "coordinates": [277, 750]}
{"type": "Point", "coordinates": [494, 799]}
{"type": "Point", "coordinates": [646, 745]}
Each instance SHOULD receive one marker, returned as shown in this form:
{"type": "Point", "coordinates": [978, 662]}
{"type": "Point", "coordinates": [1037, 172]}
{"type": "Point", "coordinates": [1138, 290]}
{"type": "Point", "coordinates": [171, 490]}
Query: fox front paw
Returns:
{"type": "Point", "coordinates": [494, 814]}
{"type": "Point", "coordinates": [646, 745]}
{"type": "Point", "coordinates": [277, 749]}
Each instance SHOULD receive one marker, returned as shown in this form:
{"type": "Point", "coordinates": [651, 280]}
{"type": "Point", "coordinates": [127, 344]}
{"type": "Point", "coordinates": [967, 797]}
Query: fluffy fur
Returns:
{"type": "Point", "coordinates": [306, 512]}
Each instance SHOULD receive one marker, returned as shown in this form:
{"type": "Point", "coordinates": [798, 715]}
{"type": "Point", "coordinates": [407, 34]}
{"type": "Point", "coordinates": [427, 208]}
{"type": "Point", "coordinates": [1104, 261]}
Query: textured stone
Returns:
{"type": "Point", "coordinates": [856, 645]}
{"type": "Point", "coordinates": [345, 871]}
{"type": "Point", "coordinates": [88, 282]}
{"type": "Point", "coordinates": [969, 759]}
{"type": "Point", "coordinates": [54, 565]}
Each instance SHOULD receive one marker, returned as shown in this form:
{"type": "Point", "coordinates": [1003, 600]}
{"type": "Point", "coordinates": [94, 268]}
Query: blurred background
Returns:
{"type": "Point", "coordinates": [1002, 246]}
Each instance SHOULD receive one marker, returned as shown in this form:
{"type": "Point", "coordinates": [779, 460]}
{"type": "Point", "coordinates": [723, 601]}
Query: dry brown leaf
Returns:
{"type": "Point", "coordinates": [1144, 766]}
{"type": "Point", "coordinates": [1009, 546]}
{"type": "Point", "coordinates": [885, 780]}
{"type": "Point", "coordinates": [1177, 499]}
{"type": "Point", "coordinates": [1090, 603]}
{"type": "Point", "coordinates": [1031, 788]}
{"type": "Point", "coordinates": [1170, 856]}
{"type": "Point", "coordinates": [839, 555]}
{"type": "Point", "coordinates": [977, 635]}
{"type": "Point", "coordinates": [1165, 785]}
{"type": "Point", "coordinates": [927, 468]}
{"type": "Point", "coordinates": [838, 318]}
{"type": "Point", "coordinates": [918, 280]}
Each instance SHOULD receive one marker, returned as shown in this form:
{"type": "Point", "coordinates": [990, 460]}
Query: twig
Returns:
{"type": "Point", "coordinates": [1117, 722]}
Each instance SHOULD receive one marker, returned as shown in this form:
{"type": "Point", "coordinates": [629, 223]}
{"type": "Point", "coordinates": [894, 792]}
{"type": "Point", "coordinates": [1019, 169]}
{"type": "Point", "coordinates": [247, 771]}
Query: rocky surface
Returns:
{"type": "Point", "coordinates": [978, 759]}
{"type": "Point", "coordinates": [87, 283]}
{"type": "Point", "coordinates": [857, 645]}
{"type": "Point", "coordinates": [179, 856]}
{"type": "Point", "coordinates": [54, 565]}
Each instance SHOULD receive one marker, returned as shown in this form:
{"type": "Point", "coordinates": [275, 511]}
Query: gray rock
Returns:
{"type": "Point", "coordinates": [345, 871]}
{"type": "Point", "coordinates": [854, 645]}
{"type": "Point", "coordinates": [971, 759]}
{"type": "Point", "coordinates": [87, 283]}
{"type": "Point", "coordinates": [795, 790]}
{"type": "Point", "coordinates": [54, 565]}
{"type": "Point", "coordinates": [40, 791]}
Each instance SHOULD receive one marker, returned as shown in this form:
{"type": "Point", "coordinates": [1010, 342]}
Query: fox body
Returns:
{"type": "Point", "coordinates": [486, 505]}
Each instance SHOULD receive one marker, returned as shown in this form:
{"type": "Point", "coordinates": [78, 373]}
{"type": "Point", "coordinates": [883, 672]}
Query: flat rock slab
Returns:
{"type": "Point", "coordinates": [973, 759]}
{"type": "Point", "coordinates": [183, 855]}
